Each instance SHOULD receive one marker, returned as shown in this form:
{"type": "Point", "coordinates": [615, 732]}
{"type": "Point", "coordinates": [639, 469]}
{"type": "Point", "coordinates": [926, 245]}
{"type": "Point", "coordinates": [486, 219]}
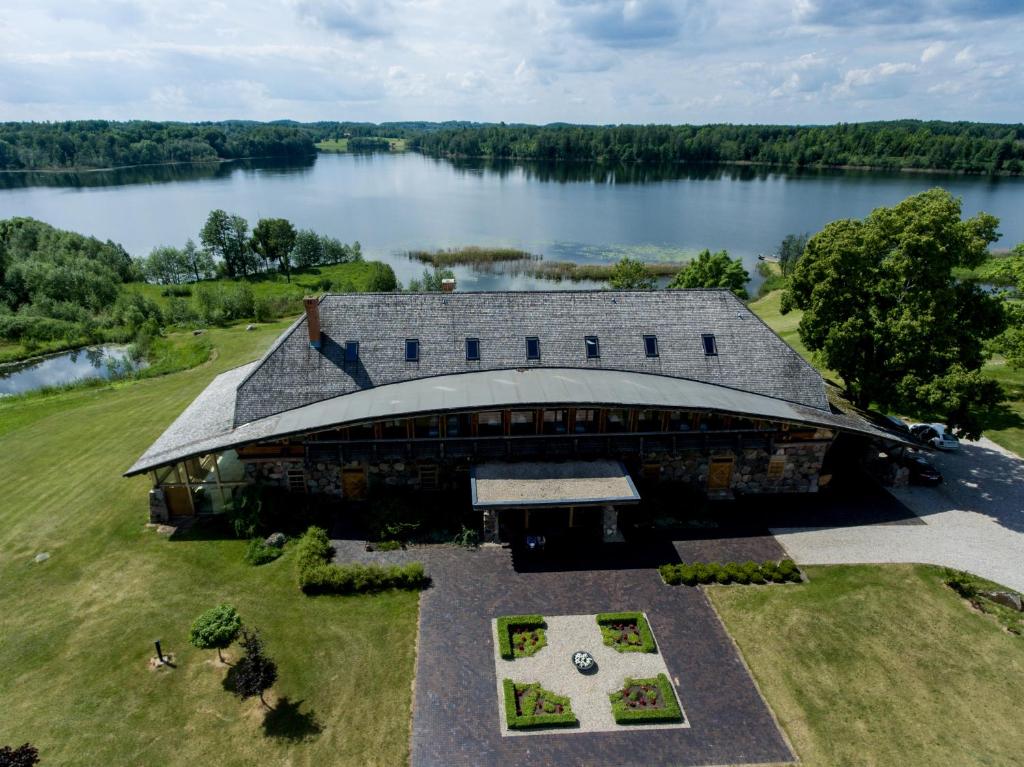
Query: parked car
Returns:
{"type": "Point", "coordinates": [896, 424]}
{"type": "Point", "coordinates": [936, 435]}
{"type": "Point", "coordinates": [922, 472]}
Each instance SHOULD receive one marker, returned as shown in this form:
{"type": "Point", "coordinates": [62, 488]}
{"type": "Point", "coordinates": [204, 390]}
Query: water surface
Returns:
{"type": "Point", "coordinates": [65, 368]}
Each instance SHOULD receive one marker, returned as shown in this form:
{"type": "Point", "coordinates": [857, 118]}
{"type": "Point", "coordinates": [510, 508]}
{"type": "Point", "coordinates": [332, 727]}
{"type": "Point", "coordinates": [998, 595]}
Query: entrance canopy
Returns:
{"type": "Point", "coordinates": [533, 485]}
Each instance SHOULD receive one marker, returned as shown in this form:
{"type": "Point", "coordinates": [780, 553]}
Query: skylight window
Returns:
{"type": "Point", "coordinates": [351, 351]}
{"type": "Point", "coordinates": [651, 346]}
{"type": "Point", "coordinates": [710, 346]}
{"type": "Point", "coordinates": [412, 350]}
{"type": "Point", "coordinates": [532, 348]}
{"type": "Point", "coordinates": [472, 348]}
{"type": "Point", "coordinates": [593, 347]}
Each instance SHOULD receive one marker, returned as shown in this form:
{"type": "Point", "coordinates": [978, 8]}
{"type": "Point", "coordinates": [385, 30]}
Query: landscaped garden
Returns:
{"type": "Point", "coordinates": [520, 636]}
{"type": "Point", "coordinates": [626, 632]}
{"type": "Point", "coordinates": [530, 705]}
{"type": "Point", "coordinates": [646, 700]}
{"type": "Point", "coordinates": [701, 573]}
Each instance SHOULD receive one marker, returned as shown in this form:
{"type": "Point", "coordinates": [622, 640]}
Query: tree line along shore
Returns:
{"type": "Point", "coordinates": [966, 147]}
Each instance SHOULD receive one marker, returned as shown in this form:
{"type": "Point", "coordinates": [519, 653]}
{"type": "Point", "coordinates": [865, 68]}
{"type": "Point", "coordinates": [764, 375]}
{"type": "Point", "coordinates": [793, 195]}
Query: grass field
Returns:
{"type": "Point", "coordinates": [341, 144]}
{"type": "Point", "coordinates": [881, 665]}
{"type": "Point", "coordinates": [1006, 428]}
{"type": "Point", "coordinates": [77, 630]}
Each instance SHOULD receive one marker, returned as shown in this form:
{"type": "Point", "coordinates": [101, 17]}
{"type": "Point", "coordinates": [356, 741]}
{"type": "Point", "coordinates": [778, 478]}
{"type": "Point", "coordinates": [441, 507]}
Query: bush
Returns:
{"type": "Point", "coordinates": [243, 512]}
{"type": "Point", "coordinates": [732, 572]}
{"type": "Point", "coordinates": [517, 721]}
{"type": "Point", "coordinates": [317, 576]}
{"type": "Point", "coordinates": [962, 583]}
{"type": "Point", "coordinates": [24, 755]}
{"type": "Point", "coordinates": [625, 715]}
{"type": "Point", "coordinates": [722, 576]}
{"type": "Point", "coordinates": [215, 629]}
{"type": "Point", "coordinates": [671, 574]}
{"type": "Point", "coordinates": [507, 623]}
{"type": "Point", "coordinates": [259, 553]}
{"type": "Point", "coordinates": [642, 627]}
{"type": "Point", "coordinates": [387, 546]}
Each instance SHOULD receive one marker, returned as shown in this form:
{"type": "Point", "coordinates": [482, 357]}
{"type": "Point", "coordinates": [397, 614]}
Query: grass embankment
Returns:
{"type": "Point", "coordinates": [881, 665]}
{"type": "Point", "coordinates": [472, 255]}
{"type": "Point", "coordinates": [1005, 428]}
{"type": "Point", "coordinates": [341, 144]}
{"type": "Point", "coordinates": [78, 629]}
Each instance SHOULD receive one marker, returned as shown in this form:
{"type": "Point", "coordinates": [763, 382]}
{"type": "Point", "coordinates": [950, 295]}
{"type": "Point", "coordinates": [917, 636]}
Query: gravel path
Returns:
{"type": "Point", "coordinates": [588, 693]}
{"type": "Point", "coordinates": [974, 521]}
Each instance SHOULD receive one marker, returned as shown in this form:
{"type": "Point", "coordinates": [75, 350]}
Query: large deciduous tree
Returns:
{"type": "Point", "coordinates": [631, 274]}
{"type": "Point", "coordinates": [882, 308]}
{"type": "Point", "coordinates": [713, 270]}
{"type": "Point", "coordinates": [225, 236]}
{"type": "Point", "coordinates": [273, 239]}
{"type": "Point", "coordinates": [255, 673]}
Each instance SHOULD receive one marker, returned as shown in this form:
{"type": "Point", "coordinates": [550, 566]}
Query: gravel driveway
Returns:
{"type": "Point", "coordinates": [974, 521]}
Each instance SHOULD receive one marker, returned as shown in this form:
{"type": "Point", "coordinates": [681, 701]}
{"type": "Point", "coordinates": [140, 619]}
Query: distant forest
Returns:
{"type": "Point", "coordinates": [908, 144]}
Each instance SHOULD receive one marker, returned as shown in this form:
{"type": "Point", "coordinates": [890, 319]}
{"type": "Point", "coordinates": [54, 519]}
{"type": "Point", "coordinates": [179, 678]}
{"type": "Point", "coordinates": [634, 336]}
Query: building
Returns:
{"type": "Point", "coordinates": [526, 400]}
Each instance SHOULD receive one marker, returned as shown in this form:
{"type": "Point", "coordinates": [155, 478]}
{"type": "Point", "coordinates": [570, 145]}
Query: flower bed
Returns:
{"type": "Point", "coordinates": [626, 632]}
{"type": "Point", "coordinates": [649, 701]}
{"type": "Point", "coordinates": [520, 636]}
{"type": "Point", "coordinates": [785, 571]}
{"type": "Point", "coordinates": [530, 705]}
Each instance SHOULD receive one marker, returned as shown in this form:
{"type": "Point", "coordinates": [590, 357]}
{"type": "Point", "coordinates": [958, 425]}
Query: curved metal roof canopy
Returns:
{"type": "Point", "coordinates": [206, 425]}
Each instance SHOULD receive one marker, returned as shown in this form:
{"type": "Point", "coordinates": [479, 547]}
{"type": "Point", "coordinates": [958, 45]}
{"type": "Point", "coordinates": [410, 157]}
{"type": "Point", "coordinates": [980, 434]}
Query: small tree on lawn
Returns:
{"type": "Point", "coordinates": [216, 629]}
{"type": "Point", "coordinates": [24, 755]}
{"type": "Point", "coordinates": [255, 673]}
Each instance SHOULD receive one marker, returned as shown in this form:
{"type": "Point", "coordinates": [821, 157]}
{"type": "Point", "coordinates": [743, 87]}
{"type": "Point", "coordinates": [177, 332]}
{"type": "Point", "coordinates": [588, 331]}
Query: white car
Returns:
{"type": "Point", "coordinates": [936, 435]}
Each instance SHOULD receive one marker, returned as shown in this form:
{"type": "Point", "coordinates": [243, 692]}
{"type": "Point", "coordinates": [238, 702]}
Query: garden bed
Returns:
{"type": "Point", "coordinates": [744, 573]}
{"type": "Point", "coordinates": [641, 701]}
{"type": "Point", "coordinates": [520, 636]}
{"type": "Point", "coordinates": [626, 632]}
{"type": "Point", "coordinates": [529, 705]}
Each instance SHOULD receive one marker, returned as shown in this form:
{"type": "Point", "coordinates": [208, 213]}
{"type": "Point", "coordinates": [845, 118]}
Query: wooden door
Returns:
{"type": "Point", "coordinates": [720, 473]}
{"type": "Point", "coordinates": [178, 502]}
{"type": "Point", "coordinates": [353, 484]}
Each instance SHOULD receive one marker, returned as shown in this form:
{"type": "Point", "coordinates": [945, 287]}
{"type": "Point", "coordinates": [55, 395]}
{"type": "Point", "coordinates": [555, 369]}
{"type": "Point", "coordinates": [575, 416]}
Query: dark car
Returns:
{"type": "Point", "coordinates": [922, 472]}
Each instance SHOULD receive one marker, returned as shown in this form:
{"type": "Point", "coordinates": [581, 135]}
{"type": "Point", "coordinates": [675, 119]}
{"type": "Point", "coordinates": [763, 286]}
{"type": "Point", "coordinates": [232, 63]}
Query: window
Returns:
{"type": "Point", "coordinates": [710, 347]}
{"type": "Point", "coordinates": [394, 429]}
{"type": "Point", "coordinates": [532, 348]}
{"type": "Point", "coordinates": [648, 420]}
{"type": "Point", "coordinates": [351, 351]}
{"type": "Point", "coordinates": [651, 346]}
{"type": "Point", "coordinates": [617, 420]}
{"type": "Point", "coordinates": [586, 421]}
{"type": "Point", "coordinates": [412, 350]}
{"type": "Point", "coordinates": [360, 431]}
{"type": "Point", "coordinates": [489, 424]}
{"type": "Point", "coordinates": [523, 422]}
{"type": "Point", "coordinates": [426, 426]}
{"type": "Point", "coordinates": [555, 421]}
{"type": "Point", "coordinates": [472, 348]}
{"type": "Point", "coordinates": [593, 347]}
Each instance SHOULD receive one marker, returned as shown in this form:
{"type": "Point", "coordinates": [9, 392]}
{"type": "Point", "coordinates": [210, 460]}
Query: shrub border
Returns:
{"type": "Point", "coordinates": [505, 624]}
{"type": "Point", "coordinates": [318, 576]}
{"type": "Point", "coordinates": [522, 722]}
{"type": "Point", "coordinates": [625, 715]}
{"type": "Point", "coordinates": [706, 573]}
{"type": "Point", "coordinates": [643, 627]}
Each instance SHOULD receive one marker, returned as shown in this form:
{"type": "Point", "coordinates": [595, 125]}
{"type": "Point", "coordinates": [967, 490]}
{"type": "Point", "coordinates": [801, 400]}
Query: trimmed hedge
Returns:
{"type": "Point", "coordinates": [516, 721]}
{"type": "Point", "coordinates": [259, 553]}
{"type": "Point", "coordinates": [646, 637]}
{"type": "Point", "coordinates": [505, 625]}
{"type": "Point", "coordinates": [669, 713]}
{"type": "Point", "coordinates": [318, 576]}
{"type": "Point", "coordinates": [696, 573]}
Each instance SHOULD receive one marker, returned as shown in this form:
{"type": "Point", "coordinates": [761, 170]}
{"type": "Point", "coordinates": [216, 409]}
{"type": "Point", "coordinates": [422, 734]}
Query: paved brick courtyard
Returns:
{"type": "Point", "coordinates": [454, 718]}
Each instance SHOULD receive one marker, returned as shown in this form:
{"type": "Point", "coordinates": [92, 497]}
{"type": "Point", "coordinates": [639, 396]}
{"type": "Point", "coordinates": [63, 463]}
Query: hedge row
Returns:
{"type": "Point", "coordinates": [646, 637]}
{"type": "Point", "coordinates": [518, 721]}
{"type": "Point", "coordinates": [747, 572]}
{"type": "Point", "coordinates": [505, 625]}
{"type": "Point", "coordinates": [317, 576]}
{"type": "Point", "coordinates": [626, 715]}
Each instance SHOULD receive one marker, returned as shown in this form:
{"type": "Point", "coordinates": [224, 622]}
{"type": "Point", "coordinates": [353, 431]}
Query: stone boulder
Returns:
{"type": "Point", "coordinates": [1006, 598]}
{"type": "Point", "coordinates": [276, 540]}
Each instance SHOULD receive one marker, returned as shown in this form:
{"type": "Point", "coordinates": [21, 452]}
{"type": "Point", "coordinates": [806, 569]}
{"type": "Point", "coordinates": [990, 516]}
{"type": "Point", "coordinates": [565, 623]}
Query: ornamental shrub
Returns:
{"type": "Point", "coordinates": [722, 576]}
{"type": "Point", "coordinates": [670, 574]}
{"type": "Point", "coordinates": [687, 574]}
{"type": "Point", "coordinates": [318, 576]}
{"type": "Point", "coordinates": [216, 629]}
{"type": "Point", "coordinates": [259, 553]}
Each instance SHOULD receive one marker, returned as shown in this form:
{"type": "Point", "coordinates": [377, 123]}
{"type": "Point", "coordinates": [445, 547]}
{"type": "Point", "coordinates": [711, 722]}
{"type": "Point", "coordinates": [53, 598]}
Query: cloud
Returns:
{"type": "Point", "coordinates": [636, 23]}
{"type": "Point", "coordinates": [842, 13]}
{"type": "Point", "coordinates": [932, 51]}
{"type": "Point", "coordinates": [356, 19]}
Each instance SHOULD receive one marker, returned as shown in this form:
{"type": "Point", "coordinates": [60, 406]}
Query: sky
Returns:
{"type": "Point", "coordinates": [537, 61]}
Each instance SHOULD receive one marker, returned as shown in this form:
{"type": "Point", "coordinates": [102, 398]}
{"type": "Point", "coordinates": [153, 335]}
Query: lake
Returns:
{"type": "Point", "coordinates": [65, 368]}
{"type": "Point", "coordinates": [581, 212]}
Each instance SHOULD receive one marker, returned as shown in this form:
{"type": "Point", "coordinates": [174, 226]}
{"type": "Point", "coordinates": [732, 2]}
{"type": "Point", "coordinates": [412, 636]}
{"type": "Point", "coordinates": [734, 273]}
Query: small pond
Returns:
{"type": "Point", "coordinates": [65, 368]}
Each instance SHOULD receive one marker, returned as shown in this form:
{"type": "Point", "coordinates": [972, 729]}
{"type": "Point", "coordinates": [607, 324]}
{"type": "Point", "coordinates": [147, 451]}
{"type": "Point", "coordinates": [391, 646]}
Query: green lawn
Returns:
{"type": "Point", "coordinates": [341, 144]}
{"type": "Point", "coordinates": [76, 631]}
{"type": "Point", "coordinates": [1006, 428]}
{"type": "Point", "coordinates": [881, 665]}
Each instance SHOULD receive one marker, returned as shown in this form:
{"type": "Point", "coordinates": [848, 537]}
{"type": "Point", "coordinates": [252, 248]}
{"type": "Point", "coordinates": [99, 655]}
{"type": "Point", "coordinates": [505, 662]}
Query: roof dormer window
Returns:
{"type": "Point", "coordinates": [532, 348]}
{"type": "Point", "coordinates": [351, 351]}
{"type": "Point", "coordinates": [651, 346]}
{"type": "Point", "coordinates": [472, 349]}
{"type": "Point", "coordinates": [592, 346]}
{"type": "Point", "coordinates": [710, 345]}
{"type": "Point", "coordinates": [412, 350]}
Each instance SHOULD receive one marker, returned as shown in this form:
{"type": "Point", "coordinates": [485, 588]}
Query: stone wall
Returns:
{"type": "Point", "coordinates": [320, 477]}
{"type": "Point", "coordinates": [750, 474]}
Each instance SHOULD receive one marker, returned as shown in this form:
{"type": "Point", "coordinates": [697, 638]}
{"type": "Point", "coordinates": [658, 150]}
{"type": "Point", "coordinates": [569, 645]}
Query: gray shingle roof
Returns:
{"type": "Point", "coordinates": [751, 358]}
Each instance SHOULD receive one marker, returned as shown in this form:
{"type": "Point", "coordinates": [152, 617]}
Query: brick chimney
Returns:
{"type": "Point", "coordinates": [312, 304]}
{"type": "Point", "coordinates": [448, 284]}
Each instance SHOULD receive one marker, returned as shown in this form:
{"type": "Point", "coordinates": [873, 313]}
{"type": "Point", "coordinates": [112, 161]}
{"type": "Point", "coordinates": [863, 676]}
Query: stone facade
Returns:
{"type": "Point", "coordinates": [796, 468]}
